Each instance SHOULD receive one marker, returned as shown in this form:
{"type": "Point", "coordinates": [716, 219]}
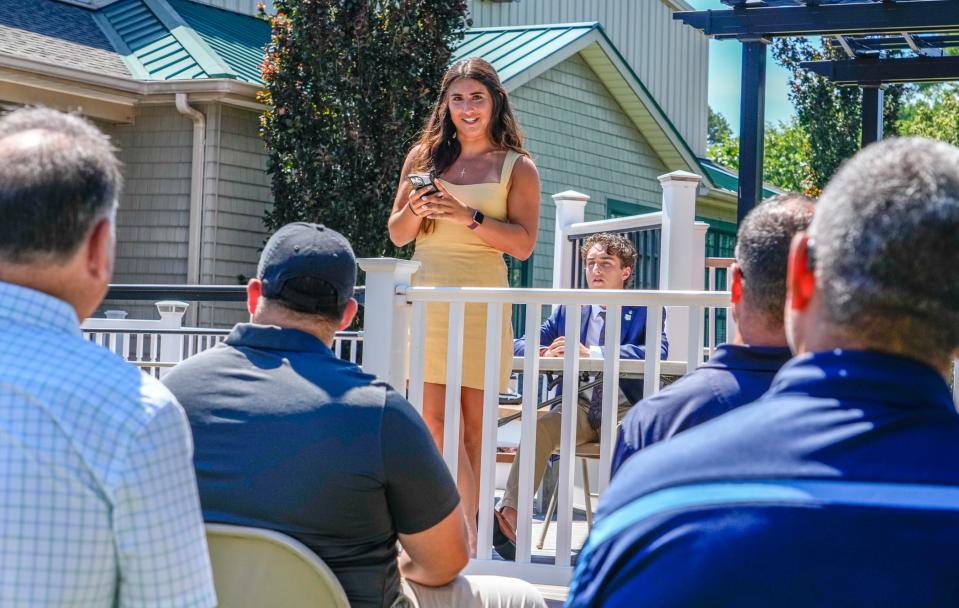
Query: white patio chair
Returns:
{"type": "Point", "coordinates": [253, 568]}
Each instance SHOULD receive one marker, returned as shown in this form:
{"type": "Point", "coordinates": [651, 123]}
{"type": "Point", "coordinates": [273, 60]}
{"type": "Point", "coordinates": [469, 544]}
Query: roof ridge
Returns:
{"type": "Point", "coordinates": [208, 60]}
{"type": "Point", "coordinates": [544, 26]}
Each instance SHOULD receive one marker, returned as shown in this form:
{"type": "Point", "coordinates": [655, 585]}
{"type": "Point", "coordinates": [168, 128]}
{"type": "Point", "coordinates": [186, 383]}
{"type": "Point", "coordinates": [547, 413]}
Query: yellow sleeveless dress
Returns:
{"type": "Point", "coordinates": [454, 256]}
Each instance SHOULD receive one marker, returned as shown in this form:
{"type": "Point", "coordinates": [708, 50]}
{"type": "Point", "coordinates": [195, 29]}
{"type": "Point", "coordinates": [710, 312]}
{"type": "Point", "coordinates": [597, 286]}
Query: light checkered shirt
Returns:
{"type": "Point", "coordinates": [98, 499]}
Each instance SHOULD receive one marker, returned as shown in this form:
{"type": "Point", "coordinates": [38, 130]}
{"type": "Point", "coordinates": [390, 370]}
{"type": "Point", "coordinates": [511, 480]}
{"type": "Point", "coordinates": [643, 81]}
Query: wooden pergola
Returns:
{"type": "Point", "coordinates": [885, 41]}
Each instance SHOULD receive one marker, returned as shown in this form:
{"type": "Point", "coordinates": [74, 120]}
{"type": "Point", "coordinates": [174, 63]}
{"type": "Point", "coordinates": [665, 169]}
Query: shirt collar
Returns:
{"type": "Point", "coordinates": [24, 306]}
{"type": "Point", "coordinates": [271, 337]}
{"type": "Point", "coordinates": [595, 311]}
{"type": "Point", "coordinates": [755, 358]}
{"type": "Point", "coordinates": [864, 376]}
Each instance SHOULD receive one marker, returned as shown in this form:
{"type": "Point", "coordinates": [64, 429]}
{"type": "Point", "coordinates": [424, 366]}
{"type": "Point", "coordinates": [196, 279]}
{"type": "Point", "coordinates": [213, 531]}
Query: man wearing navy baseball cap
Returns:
{"type": "Point", "coordinates": [291, 438]}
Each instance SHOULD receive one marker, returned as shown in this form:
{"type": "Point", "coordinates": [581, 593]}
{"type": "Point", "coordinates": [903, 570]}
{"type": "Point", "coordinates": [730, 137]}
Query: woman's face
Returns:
{"type": "Point", "coordinates": [470, 106]}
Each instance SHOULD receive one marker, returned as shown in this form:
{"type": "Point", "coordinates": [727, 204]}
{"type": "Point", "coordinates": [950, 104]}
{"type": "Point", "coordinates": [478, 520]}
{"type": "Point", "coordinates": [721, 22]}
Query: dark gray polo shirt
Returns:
{"type": "Point", "coordinates": [291, 438]}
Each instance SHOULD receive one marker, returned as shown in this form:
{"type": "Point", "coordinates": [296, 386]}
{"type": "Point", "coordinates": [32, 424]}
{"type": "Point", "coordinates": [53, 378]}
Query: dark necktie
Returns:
{"type": "Point", "coordinates": [595, 413]}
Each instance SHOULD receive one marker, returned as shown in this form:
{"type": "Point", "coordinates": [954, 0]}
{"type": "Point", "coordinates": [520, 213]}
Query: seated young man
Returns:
{"type": "Point", "coordinates": [609, 260]}
{"type": "Point", "coordinates": [291, 438]}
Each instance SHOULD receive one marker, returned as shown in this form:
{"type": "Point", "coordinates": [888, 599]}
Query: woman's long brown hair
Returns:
{"type": "Point", "coordinates": [438, 148]}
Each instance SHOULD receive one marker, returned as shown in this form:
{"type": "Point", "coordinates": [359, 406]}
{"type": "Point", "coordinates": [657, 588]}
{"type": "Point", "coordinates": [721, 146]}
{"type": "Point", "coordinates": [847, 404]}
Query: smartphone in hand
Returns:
{"type": "Point", "coordinates": [423, 180]}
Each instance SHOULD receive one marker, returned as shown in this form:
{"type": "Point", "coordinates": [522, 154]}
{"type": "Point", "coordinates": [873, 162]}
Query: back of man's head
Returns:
{"type": "Point", "coordinates": [58, 175]}
{"type": "Point", "coordinates": [885, 245]}
{"type": "Point", "coordinates": [762, 253]}
{"type": "Point", "coordinates": [308, 271]}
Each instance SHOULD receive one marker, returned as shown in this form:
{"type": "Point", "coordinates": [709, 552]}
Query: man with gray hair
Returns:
{"type": "Point", "coordinates": [98, 500]}
{"type": "Point", "coordinates": [840, 486]}
{"type": "Point", "coordinates": [741, 371]}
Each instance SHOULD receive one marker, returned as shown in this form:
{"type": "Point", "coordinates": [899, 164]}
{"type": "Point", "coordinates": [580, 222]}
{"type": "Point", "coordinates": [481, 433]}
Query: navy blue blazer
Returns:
{"type": "Point", "coordinates": [632, 339]}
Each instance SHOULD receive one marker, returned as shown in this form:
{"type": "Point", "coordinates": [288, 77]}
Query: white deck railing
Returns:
{"type": "Point", "coordinates": [157, 345]}
{"type": "Point", "coordinates": [402, 342]}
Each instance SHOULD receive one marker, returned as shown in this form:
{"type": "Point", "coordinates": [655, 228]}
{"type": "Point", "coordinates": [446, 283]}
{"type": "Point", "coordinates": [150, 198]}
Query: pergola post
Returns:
{"type": "Point", "coordinates": [872, 111]}
{"type": "Point", "coordinates": [752, 126]}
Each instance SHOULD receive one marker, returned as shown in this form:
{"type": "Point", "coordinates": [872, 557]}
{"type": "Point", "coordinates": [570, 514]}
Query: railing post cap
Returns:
{"type": "Point", "coordinates": [680, 176]}
{"type": "Point", "coordinates": [171, 306]}
{"type": "Point", "coordinates": [387, 265]}
{"type": "Point", "coordinates": [571, 195]}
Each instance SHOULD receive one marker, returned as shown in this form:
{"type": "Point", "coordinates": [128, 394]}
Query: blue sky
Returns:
{"type": "Point", "coordinates": [724, 77]}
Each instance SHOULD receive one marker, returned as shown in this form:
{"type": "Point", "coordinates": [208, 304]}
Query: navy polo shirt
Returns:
{"type": "Point", "coordinates": [840, 487]}
{"type": "Point", "coordinates": [735, 375]}
{"type": "Point", "coordinates": [291, 438]}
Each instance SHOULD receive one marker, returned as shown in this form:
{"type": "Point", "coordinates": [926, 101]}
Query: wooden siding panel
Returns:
{"type": "Point", "coordinates": [670, 58]}
{"type": "Point", "coordinates": [582, 140]}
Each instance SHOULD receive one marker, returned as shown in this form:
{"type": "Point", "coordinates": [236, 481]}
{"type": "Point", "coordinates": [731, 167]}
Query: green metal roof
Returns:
{"type": "Point", "coordinates": [146, 43]}
{"type": "Point", "coordinates": [728, 179]}
{"type": "Point", "coordinates": [513, 50]}
{"type": "Point", "coordinates": [238, 39]}
{"type": "Point", "coordinates": [183, 40]}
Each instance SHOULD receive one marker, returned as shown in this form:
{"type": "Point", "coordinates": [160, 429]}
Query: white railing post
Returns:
{"type": "Point", "coordinates": [386, 318]}
{"type": "Point", "coordinates": [171, 317]}
{"type": "Point", "coordinates": [683, 253]}
{"type": "Point", "coordinates": [570, 209]}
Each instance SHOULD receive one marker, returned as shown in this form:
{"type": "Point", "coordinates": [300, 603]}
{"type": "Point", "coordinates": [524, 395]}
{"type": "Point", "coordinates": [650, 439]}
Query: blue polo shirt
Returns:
{"type": "Point", "coordinates": [840, 487]}
{"type": "Point", "coordinates": [735, 375]}
{"type": "Point", "coordinates": [291, 438]}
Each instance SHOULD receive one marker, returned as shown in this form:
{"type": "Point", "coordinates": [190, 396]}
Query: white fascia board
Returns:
{"type": "Point", "coordinates": [655, 110]}
{"type": "Point", "coordinates": [112, 89]}
{"type": "Point", "coordinates": [679, 5]}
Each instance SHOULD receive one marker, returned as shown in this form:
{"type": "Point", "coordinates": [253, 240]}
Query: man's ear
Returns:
{"type": "Point", "coordinates": [627, 272]}
{"type": "Point", "coordinates": [99, 259]}
{"type": "Point", "coordinates": [254, 290]}
{"type": "Point", "coordinates": [736, 283]}
{"type": "Point", "coordinates": [348, 314]}
{"type": "Point", "coordinates": [800, 273]}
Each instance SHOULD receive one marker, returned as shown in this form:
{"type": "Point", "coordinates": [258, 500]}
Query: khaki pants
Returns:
{"type": "Point", "coordinates": [472, 592]}
{"type": "Point", "coordinates": [548, 429]}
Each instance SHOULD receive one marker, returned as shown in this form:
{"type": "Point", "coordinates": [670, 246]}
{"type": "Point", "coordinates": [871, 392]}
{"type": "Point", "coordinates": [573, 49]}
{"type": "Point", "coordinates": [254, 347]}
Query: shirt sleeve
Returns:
{"type": "Point", "coordinates": [161, 543]}
{"type": "Point", "coordinates": [419, 489]}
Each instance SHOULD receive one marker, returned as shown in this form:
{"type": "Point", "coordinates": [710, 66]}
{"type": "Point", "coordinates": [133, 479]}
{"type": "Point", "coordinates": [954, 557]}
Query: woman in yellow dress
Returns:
{"type": "Point", "coordinates": [487, 204]}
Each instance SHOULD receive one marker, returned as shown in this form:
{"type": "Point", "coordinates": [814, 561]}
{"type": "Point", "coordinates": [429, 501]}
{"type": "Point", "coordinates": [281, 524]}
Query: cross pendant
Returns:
{"type": "Point", "coordinates": [463, 172]}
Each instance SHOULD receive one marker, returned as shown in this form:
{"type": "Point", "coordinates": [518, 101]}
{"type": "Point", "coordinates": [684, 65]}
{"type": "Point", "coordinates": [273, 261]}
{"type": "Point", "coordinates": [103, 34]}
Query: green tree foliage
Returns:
{"type": "Point", "coordinates": [786, 162]}
{"type": "Point", "coordinates": [348, 85]}
{"type": "Point", "coordinates": [830, 116]}
{"type": "Point", "coordinates": [718, 129]}
{"type": "Point", "coordinates": [933, 113]}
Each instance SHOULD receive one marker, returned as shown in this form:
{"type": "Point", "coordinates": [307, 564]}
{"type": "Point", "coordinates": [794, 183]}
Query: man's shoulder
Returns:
{"type": "Point", "coordinates": [728, 447]}
{"type": "Point", "coordinates": [693, 390]}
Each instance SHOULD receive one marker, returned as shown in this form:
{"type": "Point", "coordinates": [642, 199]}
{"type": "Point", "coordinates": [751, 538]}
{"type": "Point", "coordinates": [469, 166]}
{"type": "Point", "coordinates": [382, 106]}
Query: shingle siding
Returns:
{"type": "Point", "coordinates": [154, 216]}
{"type": "Point", "coordinates": [670, 58]}
{"type": "Point", "coordinates": [237, 196]}
{"type": "Point", "coordinates": [581, 140]}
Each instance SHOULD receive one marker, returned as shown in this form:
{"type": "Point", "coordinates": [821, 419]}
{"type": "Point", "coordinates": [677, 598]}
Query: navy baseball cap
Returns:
{"type": "Point", "coordinates": [313, 251]}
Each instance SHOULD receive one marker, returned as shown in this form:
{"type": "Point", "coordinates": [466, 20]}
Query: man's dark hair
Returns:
{"type": "Point", "coordinates": [613, 244]}
{"type": "Point", "coordinates": [58, 175]}
{"type": "Point", "coordinates": [762, 251]}
{"type": "Point", "coordinates": [886, 245]}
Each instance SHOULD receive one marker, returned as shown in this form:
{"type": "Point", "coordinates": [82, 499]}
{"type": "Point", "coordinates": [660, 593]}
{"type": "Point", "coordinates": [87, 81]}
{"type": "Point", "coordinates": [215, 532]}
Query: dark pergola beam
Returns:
{"type": "Point", "coordinates": [872, 70]}
{"type": "Point", "coordinates": [751, 127]}
{"type": "Point", "coordinates": [872, 114]}
{"type": "Point", "coordinates": [874, 18]}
